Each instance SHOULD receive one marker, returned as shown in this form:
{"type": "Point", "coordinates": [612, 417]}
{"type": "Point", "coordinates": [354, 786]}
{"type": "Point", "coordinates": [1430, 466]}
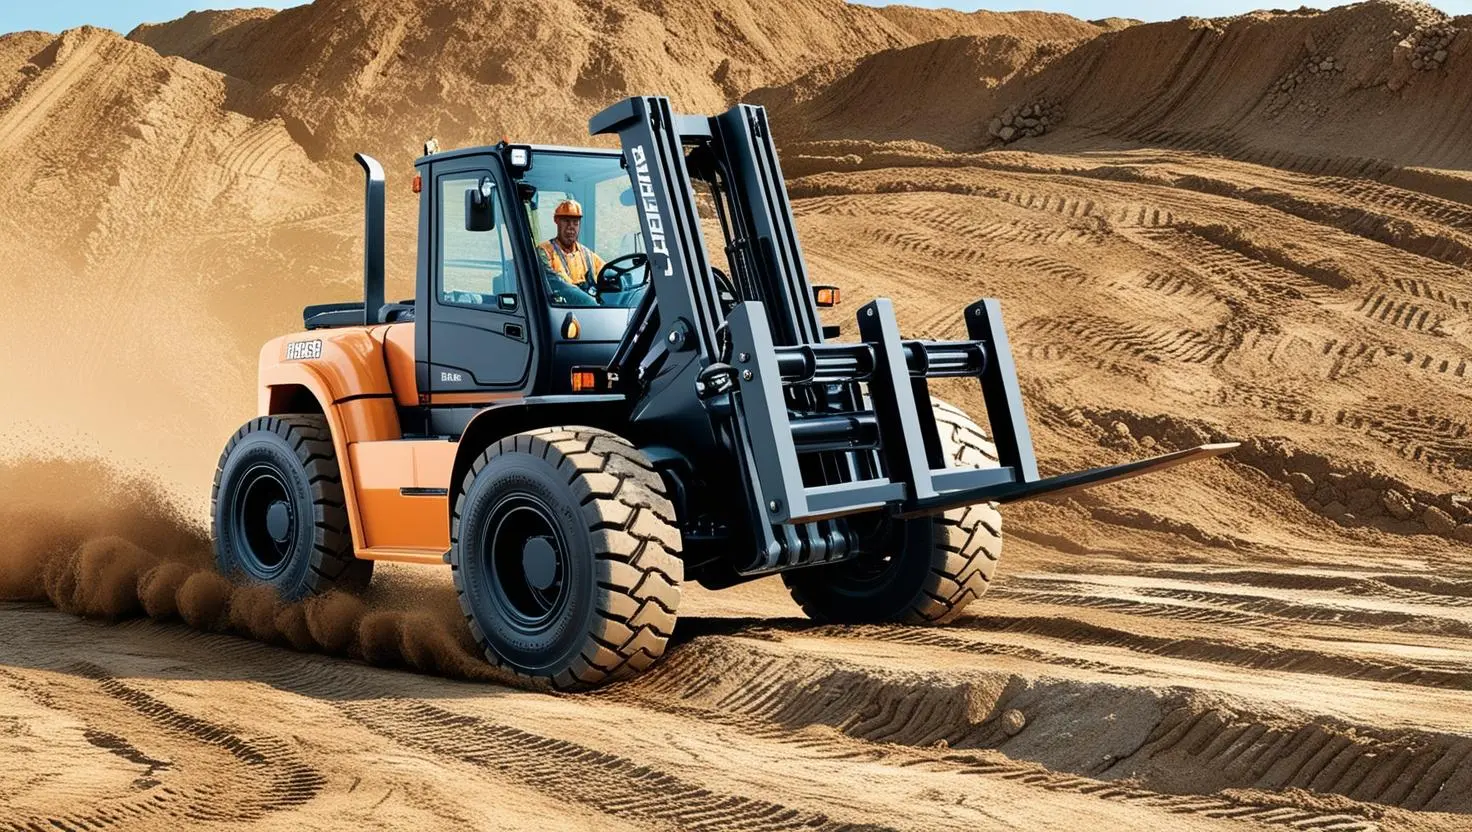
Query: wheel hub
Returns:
{"type": "Point", "coordinates": [265, 521]}
{"type": "Point", "coordinates": [278, 521]}
{"type": "Point", "coordinates": [539, 562]}
{"type": "Point", "coordinates": [528, 563]}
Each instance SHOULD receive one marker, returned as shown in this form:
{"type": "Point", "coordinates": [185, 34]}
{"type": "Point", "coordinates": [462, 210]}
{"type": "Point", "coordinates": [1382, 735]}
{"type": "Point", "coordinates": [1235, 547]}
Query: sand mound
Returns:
{"type": "Point", "coordinates": [339, 68]}
{"type": "Point", "coordinates": [884, 86]}
{"type": "Point", "coordinates": [1381, 80]}
{"type": "Point", "coordinates": [195, 32]}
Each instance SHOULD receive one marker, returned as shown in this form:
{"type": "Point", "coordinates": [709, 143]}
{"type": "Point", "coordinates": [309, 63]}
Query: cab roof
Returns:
{"type": "Point", "coordinates": [446, 155]}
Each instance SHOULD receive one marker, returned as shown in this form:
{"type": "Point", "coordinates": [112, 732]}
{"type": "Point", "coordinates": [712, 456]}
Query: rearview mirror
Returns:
{"type": "Point", "coordinates": [480, 206]}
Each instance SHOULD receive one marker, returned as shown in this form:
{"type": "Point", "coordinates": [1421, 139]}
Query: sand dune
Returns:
{"type": "Point", "coordinates": [1254, 229]}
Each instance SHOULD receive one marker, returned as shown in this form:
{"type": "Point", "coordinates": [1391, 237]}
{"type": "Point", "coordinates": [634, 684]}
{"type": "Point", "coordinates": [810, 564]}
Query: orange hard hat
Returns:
{"type": "Point", "coordinates": [568, 208]}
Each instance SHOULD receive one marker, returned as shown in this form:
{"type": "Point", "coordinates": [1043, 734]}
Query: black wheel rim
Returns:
{"type": "Point", "coordinates": [527, 560]}
{"type": "Point", "coordinates": [265, 521]}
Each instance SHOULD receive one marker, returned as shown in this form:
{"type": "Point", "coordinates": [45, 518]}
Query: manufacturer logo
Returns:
{"type": "Point", "coordinates": [300, 350]}
{"type": "Point", "coordinates": [652, 220]}
{"type": "Point", "coordinates": [452, 378]}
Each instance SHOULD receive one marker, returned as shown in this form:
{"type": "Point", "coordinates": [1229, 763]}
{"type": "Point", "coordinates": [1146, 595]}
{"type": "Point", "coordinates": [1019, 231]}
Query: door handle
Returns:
{"type": "Point", "coordinates": [512, 330]}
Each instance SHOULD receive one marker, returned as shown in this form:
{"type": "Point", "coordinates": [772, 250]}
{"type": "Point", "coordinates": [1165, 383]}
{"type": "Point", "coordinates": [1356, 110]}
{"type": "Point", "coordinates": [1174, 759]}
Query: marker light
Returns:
{"type": "Point", "coordinates": [418, 183]}
{"type": "Point", "coordinates": [584, 380]}
{"type": "Point", "coordinates": [519, 157]}
{"type": "Point", "coordinates": [571, 329]}
{"type": "Point", "coordinates": [826, 296]}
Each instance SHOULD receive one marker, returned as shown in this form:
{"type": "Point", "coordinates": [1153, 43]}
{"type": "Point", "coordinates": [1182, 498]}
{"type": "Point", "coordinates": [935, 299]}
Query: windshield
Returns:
{"type": "Point", "coordinates": [586, 260]}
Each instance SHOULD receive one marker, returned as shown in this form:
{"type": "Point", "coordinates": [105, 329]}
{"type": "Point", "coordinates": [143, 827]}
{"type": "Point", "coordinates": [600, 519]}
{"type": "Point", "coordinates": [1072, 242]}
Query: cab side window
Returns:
{"type": "Point", "coordinates": [475, 266]}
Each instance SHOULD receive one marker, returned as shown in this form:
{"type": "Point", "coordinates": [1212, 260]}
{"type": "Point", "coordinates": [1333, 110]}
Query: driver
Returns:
{"type": "Point", "coordinates": [563, 255]}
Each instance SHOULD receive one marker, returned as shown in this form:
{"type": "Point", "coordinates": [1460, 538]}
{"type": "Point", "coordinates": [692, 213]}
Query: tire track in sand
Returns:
{"type": "Point", "coordinates": [782, 700]}
{"type": "Point", "coordinates": [607, 782]}
{"type": "Point", "coordinates": [264, 776]}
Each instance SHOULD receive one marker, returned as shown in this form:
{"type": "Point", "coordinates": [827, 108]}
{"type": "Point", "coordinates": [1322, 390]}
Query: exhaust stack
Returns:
{"type": "Point", "coordinates": [373, 231]}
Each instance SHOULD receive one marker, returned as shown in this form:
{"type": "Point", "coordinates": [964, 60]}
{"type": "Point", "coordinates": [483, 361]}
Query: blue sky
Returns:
{"type": "Point", "coordinates": [123, 15]}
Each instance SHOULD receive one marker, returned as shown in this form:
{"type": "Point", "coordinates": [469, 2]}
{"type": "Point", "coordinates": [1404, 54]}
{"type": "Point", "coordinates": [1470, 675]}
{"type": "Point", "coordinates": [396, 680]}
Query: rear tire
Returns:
{"type": "Point", "coordinates": [565, 555]}
{"type": "Point", "coordinates": [944, 562]}
{"type": "Point", "coordinates": [278, 512]}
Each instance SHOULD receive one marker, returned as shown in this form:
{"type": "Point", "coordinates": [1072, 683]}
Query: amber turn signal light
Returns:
{"type": "Point", "coordinates": [418, 183]}
{"type": "Point", "coordinates": [571, 329]}
{"type": "Point", "coordinates": [826, 296]}
{"type": "Point", "coordinates": [584, 380]}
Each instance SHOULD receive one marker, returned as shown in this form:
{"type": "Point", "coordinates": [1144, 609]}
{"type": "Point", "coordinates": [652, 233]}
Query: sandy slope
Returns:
{"type": "Point", "coordinates": [1279, 640]}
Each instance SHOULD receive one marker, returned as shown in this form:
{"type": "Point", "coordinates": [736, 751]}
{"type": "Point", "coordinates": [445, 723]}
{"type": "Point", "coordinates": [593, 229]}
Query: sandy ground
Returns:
{"type": "Point", "coordinates": [1281, 639]}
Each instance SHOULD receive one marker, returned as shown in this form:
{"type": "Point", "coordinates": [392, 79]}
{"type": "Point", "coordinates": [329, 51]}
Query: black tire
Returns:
{"type": "Point", "coordinates": [945, 562]}
{"type": "Point", "coordinates": [279, 516]}
{"type": "Point", "coordinates": [592, 506]}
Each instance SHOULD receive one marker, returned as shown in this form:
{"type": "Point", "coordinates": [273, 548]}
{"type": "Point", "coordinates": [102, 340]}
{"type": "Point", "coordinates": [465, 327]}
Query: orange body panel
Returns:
{"type": "Point", "coordinates": [471, 398]}
{"type": "Point", "coordinates": [391, 518]}
{"type": "Point", "coordinates": [345, 371]}
{"type": "Point", "coordinates": [349, 360]}
{"type": "Point", "coordinates": [398, 354]}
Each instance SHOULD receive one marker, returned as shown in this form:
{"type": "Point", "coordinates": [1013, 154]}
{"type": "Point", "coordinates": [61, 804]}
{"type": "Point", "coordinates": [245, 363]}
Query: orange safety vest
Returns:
{"type": "Point", "coordinates": [558, 262]}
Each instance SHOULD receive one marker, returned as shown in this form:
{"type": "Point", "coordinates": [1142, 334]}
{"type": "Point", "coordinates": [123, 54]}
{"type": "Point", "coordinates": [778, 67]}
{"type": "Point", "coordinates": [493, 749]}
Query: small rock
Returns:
{"type": "Point", "coordinates": [1335, 510]}
{"type": "Point", "coordinates": [1363, 499]}
{"type": "Point", "coordinates": [1007, 134]}
{"type": "Point", "coordinates": [1147, 441]}
{"type": "Point", "coordinates": [1396, 504]}
{"type": "Point", "coordinates": [1417, 64]}
{"type": "Point", "coordinates": [1440, 56]}
{"type": "Point", "coordinates": [1327, 495]}
{"type": "Point", "coordinates": [1303, 484]}
{"type": "Point", "coordinates": [941, 744]}
{"type": "Point", "coordinates": [1013, 722]}
{"type": "Point", "coordinates": [1314, 68]}
{"type": "Point", "coordinates": [1120, 429]}
{"type": "Point", "coordinates": [994, 127]}
{"type": "Point", "coordinates": [1326, 65]}
{"type": "Point", "coordinates": [1463, 533]}
{"type": "Point", "coordinates": [1438, 521]}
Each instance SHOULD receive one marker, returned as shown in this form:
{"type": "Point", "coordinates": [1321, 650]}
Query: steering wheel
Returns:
{"type": "Point", "coordinates": [611, 276]}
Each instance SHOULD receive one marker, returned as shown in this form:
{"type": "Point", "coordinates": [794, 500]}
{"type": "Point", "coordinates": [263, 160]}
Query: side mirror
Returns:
{"type": "Point", "coordinates": [528, 193]}
{"type": "Point", "coordinates": [480, 206]}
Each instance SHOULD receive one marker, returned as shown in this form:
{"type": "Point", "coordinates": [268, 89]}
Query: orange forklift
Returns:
{"type": "Point", "coordinates": [577, 448]}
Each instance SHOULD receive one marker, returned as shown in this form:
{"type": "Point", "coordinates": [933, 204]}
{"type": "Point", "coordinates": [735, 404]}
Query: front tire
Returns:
{"type": "Point", "coordinates": [278, 512]}
{"type": "Point", "coordinates": [941, 564]}
{"type": "Point", "coordinates": [565, 556]}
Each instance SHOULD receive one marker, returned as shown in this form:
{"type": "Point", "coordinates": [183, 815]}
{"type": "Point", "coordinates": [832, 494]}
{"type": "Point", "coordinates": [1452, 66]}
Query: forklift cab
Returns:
{"type": "Point", "coordinates": [491, 318]}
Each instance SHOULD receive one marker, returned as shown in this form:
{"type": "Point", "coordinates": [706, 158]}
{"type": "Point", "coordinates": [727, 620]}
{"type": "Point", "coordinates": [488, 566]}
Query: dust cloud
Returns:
{"type": "Point", "coordinates": [102, 543]}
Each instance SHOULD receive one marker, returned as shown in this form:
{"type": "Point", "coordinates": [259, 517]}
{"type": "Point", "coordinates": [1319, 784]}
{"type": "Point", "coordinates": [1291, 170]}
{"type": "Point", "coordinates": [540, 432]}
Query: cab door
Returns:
{"type": "Point", "coordinates": [480, 340]}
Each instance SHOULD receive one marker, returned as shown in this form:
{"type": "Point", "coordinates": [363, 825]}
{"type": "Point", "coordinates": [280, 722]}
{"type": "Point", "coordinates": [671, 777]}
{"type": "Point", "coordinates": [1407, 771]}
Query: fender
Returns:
{"type": "Point", "coordinates": [349, 360]}
{"type": "Point", "coordinates": [505, 418]}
